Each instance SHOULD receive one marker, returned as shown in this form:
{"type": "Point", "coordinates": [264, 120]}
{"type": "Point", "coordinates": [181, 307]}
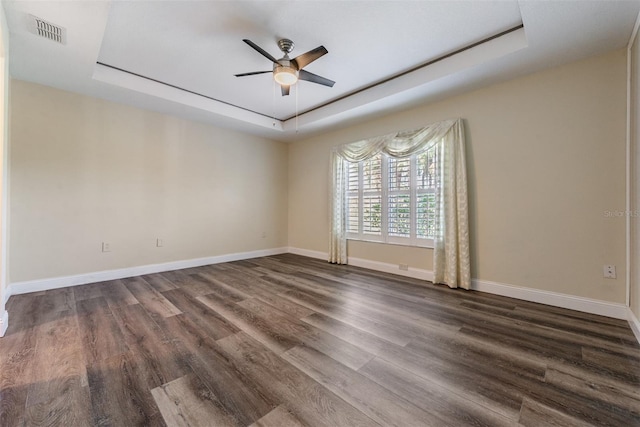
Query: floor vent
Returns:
{"type": "Point", "coordinates": [47, 30]}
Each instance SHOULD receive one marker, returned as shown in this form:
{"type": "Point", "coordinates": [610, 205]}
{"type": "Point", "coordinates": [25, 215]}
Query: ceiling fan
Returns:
{"type": "Point", "coordinates": [286, 71]}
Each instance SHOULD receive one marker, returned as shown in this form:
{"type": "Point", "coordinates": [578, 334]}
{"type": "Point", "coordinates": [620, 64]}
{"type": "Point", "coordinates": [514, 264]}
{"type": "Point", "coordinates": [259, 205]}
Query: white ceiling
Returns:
{"type": "Point", "coordinates": [180, 57]}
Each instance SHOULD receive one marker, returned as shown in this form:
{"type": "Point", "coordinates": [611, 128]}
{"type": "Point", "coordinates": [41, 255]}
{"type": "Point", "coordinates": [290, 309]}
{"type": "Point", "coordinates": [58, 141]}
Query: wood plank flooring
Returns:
{"type": "Point", "coordinates": [293, 341]}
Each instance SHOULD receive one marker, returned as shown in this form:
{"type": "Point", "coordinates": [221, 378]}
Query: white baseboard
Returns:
{"type": "Point", "coordinates": [587, 305]}
{"type": "Point", "coordinates": [603, 308]}
{"type": "Point", "coordinates": [309, 253]}
{"type": "Point", "coordinates": [416, 273]}
{"type": "Point", "coordinates": [7, 294]}
{"type": "Point", "coordinates": [634, 323]}
{"type": "Point", "coordinates": [4, 322]}
{"type": "Point", "coordinates": [101, 276]}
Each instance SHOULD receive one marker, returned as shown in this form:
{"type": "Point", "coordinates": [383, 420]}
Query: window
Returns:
{"type": "Point", "coordinates": [393, 200]}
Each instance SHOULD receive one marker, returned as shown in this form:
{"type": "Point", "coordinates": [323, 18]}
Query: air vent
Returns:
{"type": "Point", "coordinates": [47, 30]}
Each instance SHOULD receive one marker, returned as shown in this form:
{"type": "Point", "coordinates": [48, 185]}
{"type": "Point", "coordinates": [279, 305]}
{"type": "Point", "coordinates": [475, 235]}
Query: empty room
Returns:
{"type": "Point", "coordinates": [320, 213]}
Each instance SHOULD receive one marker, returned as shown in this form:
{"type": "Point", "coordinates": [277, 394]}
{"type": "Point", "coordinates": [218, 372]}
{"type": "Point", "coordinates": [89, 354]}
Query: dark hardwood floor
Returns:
{"type": "Point", "coordinates": [290, 341]}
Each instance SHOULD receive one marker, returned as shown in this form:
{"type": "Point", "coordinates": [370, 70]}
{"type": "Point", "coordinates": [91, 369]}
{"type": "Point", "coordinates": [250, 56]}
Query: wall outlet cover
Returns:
{"type": "Point", "coordinates": [609, 271]}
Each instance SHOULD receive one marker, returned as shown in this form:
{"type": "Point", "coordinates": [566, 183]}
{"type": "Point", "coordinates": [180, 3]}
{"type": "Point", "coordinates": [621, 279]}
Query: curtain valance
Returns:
{"type": "Point", "coordinates": [399, 144]}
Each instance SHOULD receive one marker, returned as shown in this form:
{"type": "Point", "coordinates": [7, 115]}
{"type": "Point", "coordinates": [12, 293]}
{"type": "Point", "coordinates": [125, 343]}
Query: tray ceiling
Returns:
{"type": "Point", "coordinates": [180, 57]}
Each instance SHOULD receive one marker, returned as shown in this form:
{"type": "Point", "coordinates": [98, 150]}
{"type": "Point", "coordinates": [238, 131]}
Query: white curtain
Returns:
{"type": "Point", "coordinates": [338, 207]}
{"type": "Point", "coordinates": [451, 243]}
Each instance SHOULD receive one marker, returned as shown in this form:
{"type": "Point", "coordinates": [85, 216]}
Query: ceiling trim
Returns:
{"type": "Point", "coordinates": [141, 84]}
{"type": "Point", "coordinates": [396, 91]}
{"type": "Point", "coordinates": [416, 68]}
{"type": "Point", "coordinates": [366, 99]}
{"type": "Point", "coordinates": [183, 89]}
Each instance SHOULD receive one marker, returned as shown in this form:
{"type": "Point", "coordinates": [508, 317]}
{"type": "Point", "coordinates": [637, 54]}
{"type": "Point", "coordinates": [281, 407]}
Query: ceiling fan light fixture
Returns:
{"type": "Point", "coordinates": [286, 76]}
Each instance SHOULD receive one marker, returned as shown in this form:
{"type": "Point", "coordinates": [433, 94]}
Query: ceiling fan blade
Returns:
{"type": "Point", "coordinates": [307, 58]}
{"type": "Point", "coordinates": [261, 50]}
{"type": "Point", "coordinates": [314, 78]}
{"type": "Point", "coordinates": [285, 90]}
{"type": "Point", "coordinates": [253, 73]}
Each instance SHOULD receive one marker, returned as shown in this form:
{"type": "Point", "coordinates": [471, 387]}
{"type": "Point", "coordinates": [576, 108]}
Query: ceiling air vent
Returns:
{"type": "Point", "coordinates": [47, 30]}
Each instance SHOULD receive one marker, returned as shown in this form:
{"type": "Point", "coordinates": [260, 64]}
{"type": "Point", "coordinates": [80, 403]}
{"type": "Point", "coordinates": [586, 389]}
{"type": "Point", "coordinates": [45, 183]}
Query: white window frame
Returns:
{"type": "Point", "coordinates": [414, 192]}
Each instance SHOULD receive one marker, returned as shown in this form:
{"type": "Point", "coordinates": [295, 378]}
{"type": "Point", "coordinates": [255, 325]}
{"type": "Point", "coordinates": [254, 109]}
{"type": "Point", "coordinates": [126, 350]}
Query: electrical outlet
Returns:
{"type": "Point", "coordinates": [106, 247]}
{"type": "Point", "coordinates": [403, 267]}
{"type": "Point", "coordinates": [609, 271]}
{"type": "Point", "coordinates": [159, 243]}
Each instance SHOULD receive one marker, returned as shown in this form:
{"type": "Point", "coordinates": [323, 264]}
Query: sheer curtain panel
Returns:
{"type": "Point", "coordinates": [451, 242]}
{"type": "Point", "coordinates": [451, 263]}
{"type": "Point", "coordinates": [338, 207]}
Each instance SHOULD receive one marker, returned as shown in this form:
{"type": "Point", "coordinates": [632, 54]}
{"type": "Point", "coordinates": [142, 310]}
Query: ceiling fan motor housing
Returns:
{"type": "Point", "coordinates": [286, 45]}
{"type": "Point", "coordinates": [285, 71]}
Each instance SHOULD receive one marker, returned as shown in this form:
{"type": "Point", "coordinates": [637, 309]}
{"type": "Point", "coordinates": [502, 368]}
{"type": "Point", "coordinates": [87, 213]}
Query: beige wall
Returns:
{"type": "Point", "coordinates": [84, 171]}
{"type": "Point", "coordinates": [634, 283]}
{"type": "Point", "coordinates": [546, 158]}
